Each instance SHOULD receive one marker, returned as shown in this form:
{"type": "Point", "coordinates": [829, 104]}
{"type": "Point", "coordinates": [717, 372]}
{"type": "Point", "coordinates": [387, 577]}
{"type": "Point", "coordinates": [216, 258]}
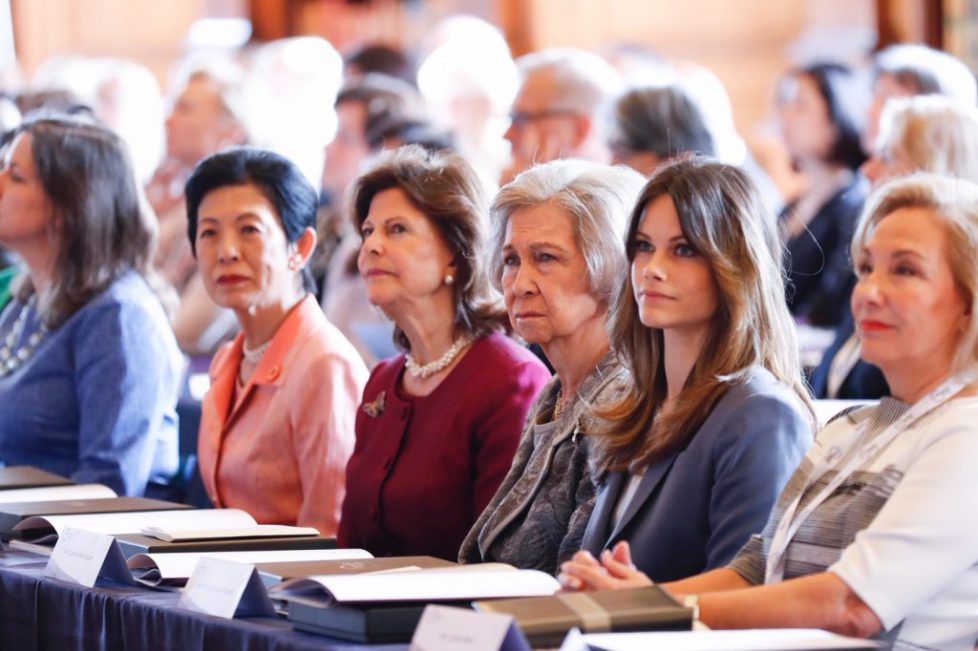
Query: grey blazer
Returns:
{"type": "Point", "coordinates": [538, 515]}
{"type": "Point", "coordinates": [693, 510]}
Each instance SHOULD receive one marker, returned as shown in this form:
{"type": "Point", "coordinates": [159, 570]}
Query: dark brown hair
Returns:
{"type": "Point", "coordinates": [447, 190]}
{"type": "Point", "coordinates": [723, 219]}
{"type": "Point", "coordinates": [101, 226]}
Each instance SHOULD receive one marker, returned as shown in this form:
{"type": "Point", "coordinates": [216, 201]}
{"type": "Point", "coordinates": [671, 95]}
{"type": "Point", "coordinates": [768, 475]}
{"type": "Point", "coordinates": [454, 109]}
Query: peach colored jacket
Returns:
{"type": "Point", "coordinates": [280, 451]}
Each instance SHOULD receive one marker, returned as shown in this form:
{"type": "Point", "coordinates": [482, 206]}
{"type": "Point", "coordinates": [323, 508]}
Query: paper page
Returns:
{"type": "Point", "coordinates": [257, 531]}
{"type": "Point", "coordinates": [430, 585]}
{"type": "Point", "coordinates": [52, 493]}
{"type": "Point", "coordinates": [778, 639]}
{"type": "Point", "coordinates": [134, 521]}
{"type": "Point", "coordinates": [180, 565]}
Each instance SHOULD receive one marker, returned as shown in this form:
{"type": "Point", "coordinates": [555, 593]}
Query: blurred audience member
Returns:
{"type": "Point", "coordinates": [378, 58]}
{"type": "Point", "coordinates": [206, 117]}
{"type": "Point", "coordinates": [469, 86]}
{"type": "Point", "coordinates": [652, 125]}
{"type": "Point", "coordinates": [88, 366]}
{"type": "Point", "coordinates": [556, 113]}
{"type": "Point", "coordinates": [910, 69]}
{"type": "Point", "coordinates": [822, 108]}
{"type": "Point", "coordinates": [123, 94]}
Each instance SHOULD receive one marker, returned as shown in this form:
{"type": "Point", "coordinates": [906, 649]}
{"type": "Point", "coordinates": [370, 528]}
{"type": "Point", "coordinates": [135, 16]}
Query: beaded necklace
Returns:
{"type": "Point", "coordinates": [12, 355]}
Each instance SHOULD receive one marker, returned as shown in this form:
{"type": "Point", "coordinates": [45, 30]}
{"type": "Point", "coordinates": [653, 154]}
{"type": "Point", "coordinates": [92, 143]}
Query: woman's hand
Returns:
{"type": "Point", "coordinates": [614, 572]}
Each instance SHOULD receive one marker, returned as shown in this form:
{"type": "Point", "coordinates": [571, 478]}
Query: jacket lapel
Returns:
{"type": "Point", "coordinates": [604, 507]}
{"type": "Point", "coordinates": [654, 475]}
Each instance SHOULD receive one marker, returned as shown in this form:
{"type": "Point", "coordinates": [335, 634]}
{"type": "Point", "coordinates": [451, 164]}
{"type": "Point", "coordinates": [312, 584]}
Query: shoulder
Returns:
{"type": "Point", "coordinates": [318, 344]}
{"type": "Point", "coordinates": [130, 296]}
{"type": "Point", "coordinates": [759, 403]}
{"type": "Point", "coordinates": [498, 357]}
{"type": "Point", "coordinates": [385, 373]}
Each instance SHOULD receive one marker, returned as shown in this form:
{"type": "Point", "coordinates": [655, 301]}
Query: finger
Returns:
{"type": "Point", "coordinates": [623, 553]}
{"type": "Point", "coordinates": [590, 577]}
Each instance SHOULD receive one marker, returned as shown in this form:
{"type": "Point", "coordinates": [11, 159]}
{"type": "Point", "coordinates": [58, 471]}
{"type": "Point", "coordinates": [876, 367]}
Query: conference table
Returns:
{"type": "Point", "coordinates": [41, 612]}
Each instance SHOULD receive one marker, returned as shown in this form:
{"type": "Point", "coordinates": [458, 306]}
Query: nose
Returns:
{"type": "Point", "coordinates": [524, 281]}
{"type": "Point", "coordinates": [227, 250]}
{"type": "Point", "coordinates": [654, 267]}
{"type": "Point", "coordinates": [868, 291]}
{"type": "Point", "coordinates": [371, 244]}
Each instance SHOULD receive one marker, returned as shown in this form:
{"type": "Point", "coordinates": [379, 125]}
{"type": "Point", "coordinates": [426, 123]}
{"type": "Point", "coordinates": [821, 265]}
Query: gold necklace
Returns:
{"type": "Point", "coordinates": [559, 405]}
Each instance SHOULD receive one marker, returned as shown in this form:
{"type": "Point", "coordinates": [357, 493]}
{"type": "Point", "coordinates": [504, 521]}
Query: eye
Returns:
{"type": "Point", "coordinates": [206, 232]}
{"type": "Point", "coordinates": [864, 268]}
{"type": "Point", "coordinates": [643, 246]}
{"type": "Point", "coordinates": [685, 251]}
{"type": "Point", "coordinates": [511, 260]}
{"type": "Point", "coordinates": [905, 270]}
{"type": "Point", "coordinates": [545, 257]}
{"type": "Point", "coordinates": [250, 229]}
{"type": "Point", "coordinates": [397, 228]}
{"type": "Point", "coordinates": [366, 231]}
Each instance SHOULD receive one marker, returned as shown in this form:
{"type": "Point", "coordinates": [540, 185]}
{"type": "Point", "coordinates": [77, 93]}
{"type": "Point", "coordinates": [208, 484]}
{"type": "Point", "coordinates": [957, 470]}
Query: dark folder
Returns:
{"type": "Point", "coordinates": [546, 620]}
{"type": "Point", "coordinates": [272, 573]}
{"type": "Point", "coordinates": [12, 514]}
{"type": "Point", "coordinates": [132, 544]}
{"type": "Point", "coordinates": [12, 477]}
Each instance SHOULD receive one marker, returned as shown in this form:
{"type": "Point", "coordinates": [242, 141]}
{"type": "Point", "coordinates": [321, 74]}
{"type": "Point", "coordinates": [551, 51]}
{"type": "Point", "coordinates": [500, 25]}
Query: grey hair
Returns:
{"type": "Point", "coordinates": [938, 134]}
{"type": "Point", "coordinates": [597, 197]}
{"type": "Point", "coordinates": [954, 203]}
{"type": "Point", "coordinates": [583, 81]}
{"type": "Point", "coordinates": [928, 71]}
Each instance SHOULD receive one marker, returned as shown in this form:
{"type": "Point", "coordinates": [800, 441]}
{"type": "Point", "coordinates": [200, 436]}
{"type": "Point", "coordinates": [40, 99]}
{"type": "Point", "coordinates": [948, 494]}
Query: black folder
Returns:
{"type": "Point", "coordinates": [387, 623]}
{"type": "Point", "coordinates": [12, 477]}
{"type": "Point", "coordinates": [14, 513]}
{"type": "Point", "coordinates": [132, 544]}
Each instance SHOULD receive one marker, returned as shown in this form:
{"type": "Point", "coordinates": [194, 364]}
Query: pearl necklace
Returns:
{"type": "Point", "coordinates": [433, 367]}
{"type": "Point", "coordinates": [254, 356]}
{"type": "Point", "coordinates": [12, 358]}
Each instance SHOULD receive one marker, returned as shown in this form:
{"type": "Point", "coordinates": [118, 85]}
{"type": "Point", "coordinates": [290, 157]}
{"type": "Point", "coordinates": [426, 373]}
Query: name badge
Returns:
{"type": "Point", "coordinates": [88, 558]}
{"type": "Point", "coordinates": [226, 589]}
{"type": "Point", "coordinates": [444, 627]}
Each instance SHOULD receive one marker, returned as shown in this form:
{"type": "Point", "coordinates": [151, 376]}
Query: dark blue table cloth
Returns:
{"type": "Point", "coordinates": [39, 612]}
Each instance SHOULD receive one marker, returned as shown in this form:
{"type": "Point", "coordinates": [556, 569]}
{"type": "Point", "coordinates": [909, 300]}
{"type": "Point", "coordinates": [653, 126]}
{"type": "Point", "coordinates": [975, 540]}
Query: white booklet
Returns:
{"type": "Point", "coordinates": [57, 493]}
{"type": "Point", "coordinates": [176, 567]}
{"type": "Point", "coordinates": [45, 528]}
{"type": "Point", "coordinates": [435, 584]}
{"type": "Point", "coordinates": [772, 639]}
{"type": "Point", "coordinates": [257, 531]}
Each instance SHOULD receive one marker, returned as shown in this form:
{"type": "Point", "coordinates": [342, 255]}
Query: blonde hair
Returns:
{"type": "Point", "coordinates": [938, 134]}
{"type": "Point", "coordinates": [723, 219]}
{"type": "Point", "coordinates": [954, 204]}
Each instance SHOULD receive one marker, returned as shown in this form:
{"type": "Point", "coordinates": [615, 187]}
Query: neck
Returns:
{"type": "Point", "coordinates": [819, 174]}
{"type": "Point", "coordinates": [428, 338]}
{"type": "Point", "coordinates": [260, 324]}
{"type": "Point", "coordinates": [910, 383]}
{"type": "Point", "coordinates": [39, 261]}
{"type": "Point", "coordinates": [681, 349]}
{"type": "Point", "coordinates": [575, 356]}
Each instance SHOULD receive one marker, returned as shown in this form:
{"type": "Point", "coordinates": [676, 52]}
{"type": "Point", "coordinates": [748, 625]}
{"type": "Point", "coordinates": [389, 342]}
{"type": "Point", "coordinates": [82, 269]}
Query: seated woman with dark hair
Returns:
{"type": "Point", "coordinates": [691, 457]}
{"type": "Point", "coordinates": [89, 366]}
{"type": "Point", "coordinates": [823, 109]}
{"type": "Point", "coordinates": [875, 533]}
{"type": "Point", "coordinates": [439, 423]}
{"type": "Point", "coordinates": [278, 422]}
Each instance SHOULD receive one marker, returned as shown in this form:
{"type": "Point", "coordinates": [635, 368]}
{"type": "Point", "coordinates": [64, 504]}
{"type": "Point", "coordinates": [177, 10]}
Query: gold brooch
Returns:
{"type": "Point", "coordinates": [375, 409]}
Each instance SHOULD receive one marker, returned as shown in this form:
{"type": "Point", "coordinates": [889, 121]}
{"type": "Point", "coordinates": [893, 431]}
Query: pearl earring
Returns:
{"type": "Point", "coordinates": [449, 279]}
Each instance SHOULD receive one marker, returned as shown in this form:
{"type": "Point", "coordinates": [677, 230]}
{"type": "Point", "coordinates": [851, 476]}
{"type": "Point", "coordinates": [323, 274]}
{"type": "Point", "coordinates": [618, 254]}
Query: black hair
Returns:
{"type": "Point", "coordinates": [663, 121]}
{"type": "Point", "coordinates": [846, 96]}
{"type": "Point", "coordinates": [275, 176]}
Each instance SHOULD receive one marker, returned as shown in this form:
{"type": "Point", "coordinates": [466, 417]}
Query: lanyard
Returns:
{"type": "Point", "coordinates": [791, 522]}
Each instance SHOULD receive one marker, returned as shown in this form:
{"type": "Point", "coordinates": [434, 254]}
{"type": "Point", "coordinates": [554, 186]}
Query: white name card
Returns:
{"type": "Point", "coordinates": [444, 627]}
{"type": "Point", "coordinates": [87, 558]}
{"type": "Point", "coordinates": [226, 589]}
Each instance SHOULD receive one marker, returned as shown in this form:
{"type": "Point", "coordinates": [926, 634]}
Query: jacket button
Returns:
{"type": "Point", "coordinates": [273, 372]}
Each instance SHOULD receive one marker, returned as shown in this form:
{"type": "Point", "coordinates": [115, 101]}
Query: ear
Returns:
{"type": "Point", "coordinates": [303, 248]}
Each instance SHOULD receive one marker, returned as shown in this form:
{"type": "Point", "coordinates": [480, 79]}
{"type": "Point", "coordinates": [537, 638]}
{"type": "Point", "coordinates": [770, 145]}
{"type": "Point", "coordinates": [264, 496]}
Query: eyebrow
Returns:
{"type": "Point", "coordinates": [536, 246]}
{"type": "Point", "coordinates": [674, 238]}
{"type": "Point", "coordinates": [243, 215]}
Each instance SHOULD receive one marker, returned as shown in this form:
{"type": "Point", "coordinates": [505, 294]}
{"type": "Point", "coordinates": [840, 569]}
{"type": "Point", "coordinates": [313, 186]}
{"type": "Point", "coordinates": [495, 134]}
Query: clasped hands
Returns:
{"type": "Point", "coordinates": [614, 571]}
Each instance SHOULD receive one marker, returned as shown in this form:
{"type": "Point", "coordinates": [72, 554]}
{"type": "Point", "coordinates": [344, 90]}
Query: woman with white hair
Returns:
{"type": "Point", "coordinates": [557, 255]}
{"type": "Point", "coordinates": [917, 134]}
